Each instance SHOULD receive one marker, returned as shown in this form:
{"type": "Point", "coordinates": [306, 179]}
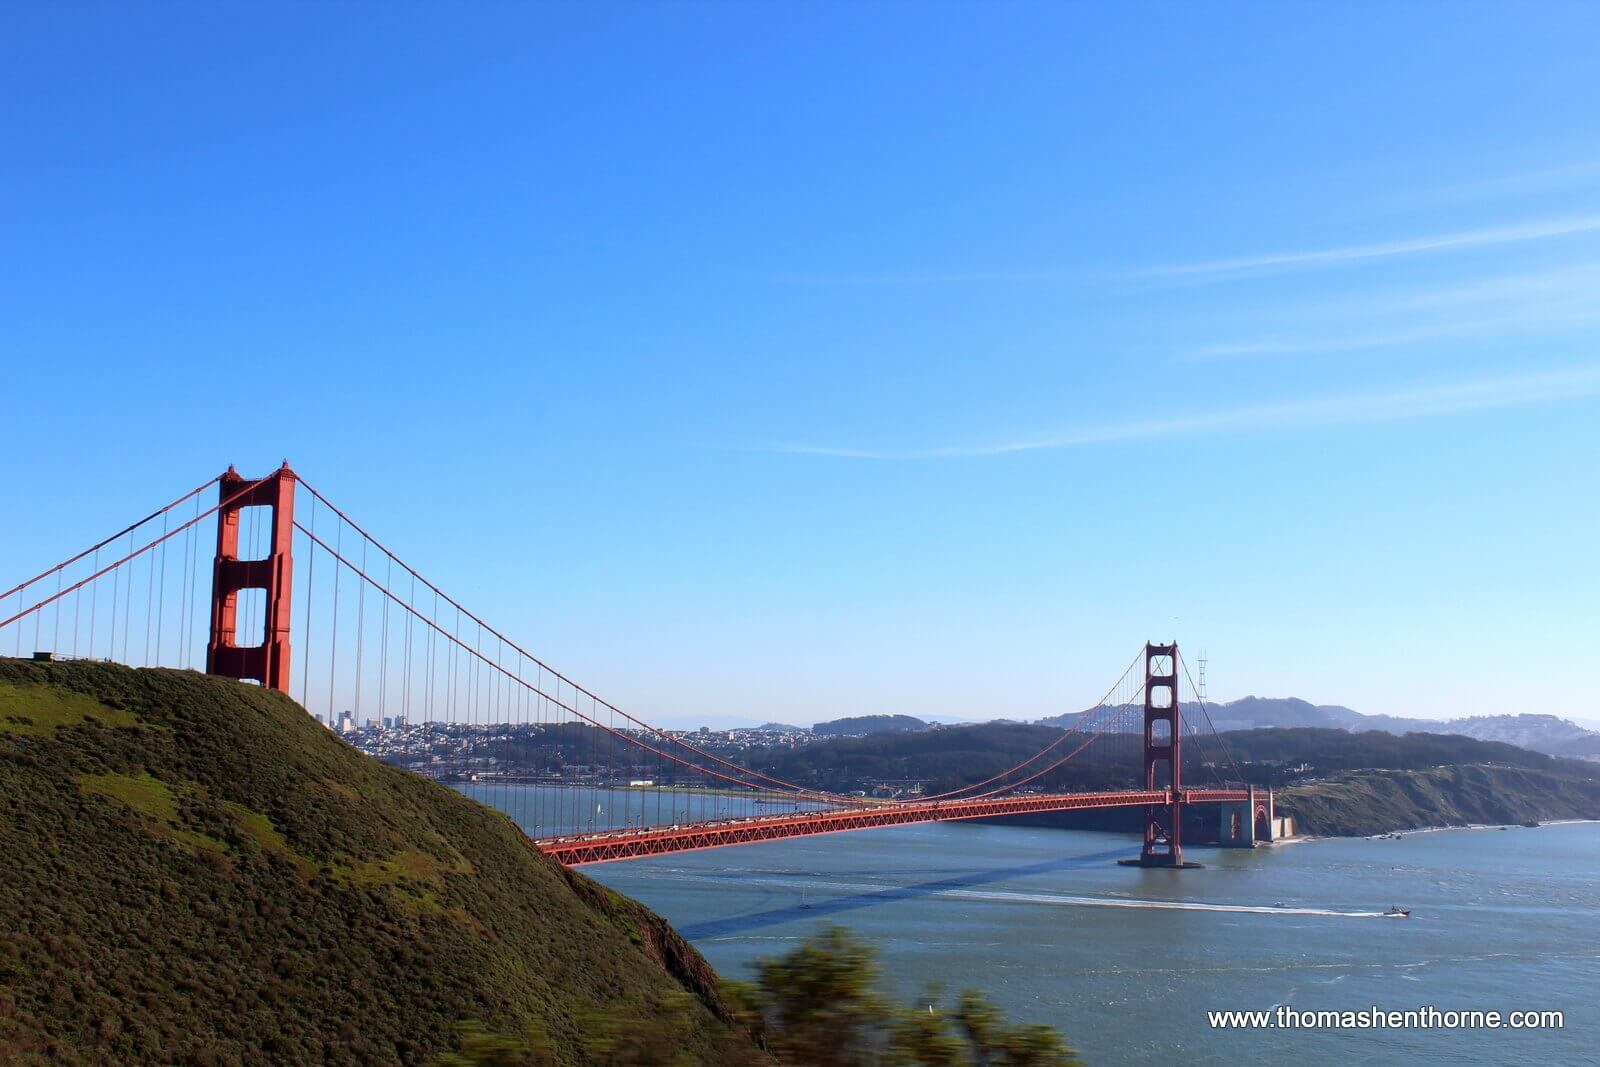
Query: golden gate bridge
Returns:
{"type": "Point", "coordinates": [312, 605]}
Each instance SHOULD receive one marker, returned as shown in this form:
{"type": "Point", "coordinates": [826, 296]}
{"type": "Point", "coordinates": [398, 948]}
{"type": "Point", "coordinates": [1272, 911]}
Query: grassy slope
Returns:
{"type": "Point", "coordinates": [192, 870]}
{"type": "Point", "coordinates": [1376, 801]}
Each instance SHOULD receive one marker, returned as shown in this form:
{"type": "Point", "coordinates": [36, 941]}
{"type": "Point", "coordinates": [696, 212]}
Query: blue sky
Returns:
{"type": "Point", "coordinates": [789, 361]}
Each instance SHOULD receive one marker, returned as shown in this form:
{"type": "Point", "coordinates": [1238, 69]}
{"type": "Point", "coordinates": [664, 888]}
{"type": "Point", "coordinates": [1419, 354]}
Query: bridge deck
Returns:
{"type": "Point", "coordinates": [574, 850]}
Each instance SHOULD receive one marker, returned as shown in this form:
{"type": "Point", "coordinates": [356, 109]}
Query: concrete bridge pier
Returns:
{"type": "Point", "coordinates": [1244, 823]}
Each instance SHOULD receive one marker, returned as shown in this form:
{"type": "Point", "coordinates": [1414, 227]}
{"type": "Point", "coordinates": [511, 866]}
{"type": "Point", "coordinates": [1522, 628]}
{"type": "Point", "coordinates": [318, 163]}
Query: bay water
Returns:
{"type": "Point", "coordinates": [1127, 962]}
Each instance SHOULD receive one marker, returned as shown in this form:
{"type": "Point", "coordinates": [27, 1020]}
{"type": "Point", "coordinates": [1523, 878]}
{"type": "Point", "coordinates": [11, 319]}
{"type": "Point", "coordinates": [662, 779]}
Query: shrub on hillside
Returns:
{"type": "Point", "coordinates": [818, 1006]}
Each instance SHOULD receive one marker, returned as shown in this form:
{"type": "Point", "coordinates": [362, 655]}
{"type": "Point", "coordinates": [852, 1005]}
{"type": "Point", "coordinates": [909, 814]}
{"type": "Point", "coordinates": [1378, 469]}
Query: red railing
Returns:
{"type": "Point", "coordinates": [574, 850]}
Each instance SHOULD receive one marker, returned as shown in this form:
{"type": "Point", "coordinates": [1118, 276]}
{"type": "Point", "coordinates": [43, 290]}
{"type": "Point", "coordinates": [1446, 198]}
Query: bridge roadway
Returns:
{"type": "Point", "coordinates": [574, 850]}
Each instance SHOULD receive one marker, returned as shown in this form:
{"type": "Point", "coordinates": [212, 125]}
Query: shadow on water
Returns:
{"type": "Point", "coordinates": [757, 920]}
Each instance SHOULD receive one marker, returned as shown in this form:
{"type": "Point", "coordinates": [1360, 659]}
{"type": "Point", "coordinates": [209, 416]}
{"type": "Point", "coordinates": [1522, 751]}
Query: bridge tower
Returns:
{"type": "Point", "coordinates": [1163, 823]}
{"type": "Point", "coordinates": [268, 662]}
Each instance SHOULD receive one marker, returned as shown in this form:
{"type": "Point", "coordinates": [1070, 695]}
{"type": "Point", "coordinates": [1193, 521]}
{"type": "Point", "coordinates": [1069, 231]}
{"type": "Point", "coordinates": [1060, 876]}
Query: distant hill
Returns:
{"type": "Point", "coordinates": [955, 756]}
{"type": "Point", "coordinates": [1538, 733]}
{"type": "Point", "coordinates": [1263, 753]}
{"type": "Point", "coordinates": [1249, 713]}
{"type": "Point", "coordinates": [1542, 733]}
{"type": "Point", "coordinates": [783, 728]}
{"type": "Point", "coordinates": [861, 725]}
{"type": "Point", "coordinates": [196, 872]}
{"type": "Point", "coordinates": [1446, 772]}
{"type": "Point", "coordinates": [1379, 801]}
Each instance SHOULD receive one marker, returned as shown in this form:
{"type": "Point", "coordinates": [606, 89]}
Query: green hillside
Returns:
{"type": "Point", "coordinates": [1377, 801]}
{"type": "Point", "coordinates": [194, 871]}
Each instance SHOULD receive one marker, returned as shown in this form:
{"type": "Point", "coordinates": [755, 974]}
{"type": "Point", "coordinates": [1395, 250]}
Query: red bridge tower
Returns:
{"type": "Point", "coordinates": [268, 662]}
{"type": "Point", "coordinates": [1163, 759]}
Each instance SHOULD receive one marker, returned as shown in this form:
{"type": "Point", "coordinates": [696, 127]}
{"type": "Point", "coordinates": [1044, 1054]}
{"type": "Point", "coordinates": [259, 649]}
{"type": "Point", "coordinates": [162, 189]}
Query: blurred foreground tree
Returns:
{"type": "Point", "coordinates": [818, 1006]}
{"type": "Point", "coordinates": [480, 1047]}
{"type": "Point", "coordinates": [821, 1006]}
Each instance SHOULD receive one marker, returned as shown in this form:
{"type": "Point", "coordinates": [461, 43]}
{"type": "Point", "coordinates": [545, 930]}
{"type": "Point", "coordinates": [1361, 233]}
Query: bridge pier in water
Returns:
{"type": "Point", "coordinates": [1244, 823]}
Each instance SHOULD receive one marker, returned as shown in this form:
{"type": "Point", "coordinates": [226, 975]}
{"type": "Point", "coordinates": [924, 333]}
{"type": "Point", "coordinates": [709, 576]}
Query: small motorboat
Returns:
{"type": "Point", "coordinates": [1399, 912]}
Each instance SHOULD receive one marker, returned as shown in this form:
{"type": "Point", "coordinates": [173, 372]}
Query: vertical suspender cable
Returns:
{"type": "Point", "coordinates": [405, 703]}
{"type": "Point", "coordinates": [305, 634]}
{"type": "Point", "coordinates": [333, 649]}
{"type": "Point", "coordinates": [361, 626]}
{"type": "Point", "coordinates": [127, 606]}
{"type": "Point", "coordinates": [94, 610]}
{"type": "Point", "coordinates": [149, 607]}
{"type": "Point", "coordinates": [77, 608]}
{"type": "Point", "coordinates": [383, 656]}
{"type": "Point", "coordinates": [55, 642]}
{"type": "Point", "coordinates": [161, 604]}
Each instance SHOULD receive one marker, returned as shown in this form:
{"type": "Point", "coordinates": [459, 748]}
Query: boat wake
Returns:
{"type": "Point", "coordinates": [1001, 896]}
{"type": "Point", "coordinates": [1164, 905]}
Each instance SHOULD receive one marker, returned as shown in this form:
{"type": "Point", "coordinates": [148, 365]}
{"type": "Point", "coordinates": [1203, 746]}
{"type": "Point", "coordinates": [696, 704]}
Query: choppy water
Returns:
{"type": "Point", "coordinates": [1126, 961]}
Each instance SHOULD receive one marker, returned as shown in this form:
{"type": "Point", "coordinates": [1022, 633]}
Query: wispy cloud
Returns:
{"type": "Point", "coordinates": [971, 277]}
{"type": "Point", "coordinates": [1393, 405]}
{"type": "Point", "coordinates": [1279, 345]}
{"type": "Point", "coordinates": [1534, 320]}
{"type": "Point", "coordinates": [1523, 182]}
{"type": "Point", "coordinates": [1326, 257]}
{"type": "Point", "coordinates": [1561, 299]}
{"type": "Point", "coordinates": [1578, 280]}
{"type": "Point", "coordinates": [1220, 269]}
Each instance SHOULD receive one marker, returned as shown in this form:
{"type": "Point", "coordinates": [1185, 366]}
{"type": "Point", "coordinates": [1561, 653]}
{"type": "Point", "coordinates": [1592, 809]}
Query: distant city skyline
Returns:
{"type": "Point", "coordinates": [745, 722]}
{"type": "Point", "coordinates": [740, 366]}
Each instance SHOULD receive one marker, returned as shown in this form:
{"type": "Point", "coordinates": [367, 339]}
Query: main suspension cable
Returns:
{"type": "Point", "coordinates": [779, 783]}
{"type": "Point", "coordinates": [464, 646]}
{"type": "Point", "coordinates": [1085, 717]}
